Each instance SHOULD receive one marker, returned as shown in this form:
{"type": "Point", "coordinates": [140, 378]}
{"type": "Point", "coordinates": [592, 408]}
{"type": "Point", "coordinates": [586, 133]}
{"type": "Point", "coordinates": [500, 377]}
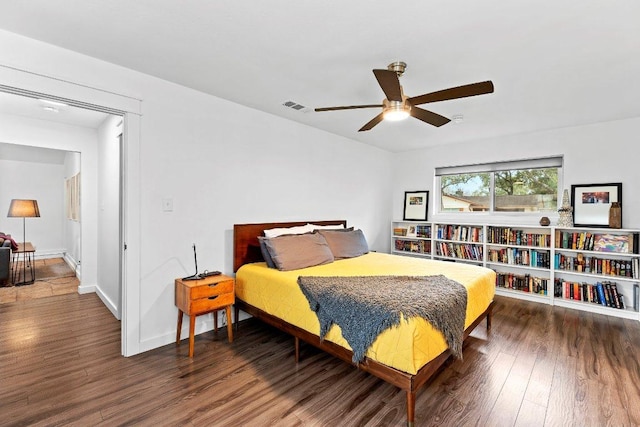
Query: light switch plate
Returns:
{"type": "Point", "coordinates": [167, 205]}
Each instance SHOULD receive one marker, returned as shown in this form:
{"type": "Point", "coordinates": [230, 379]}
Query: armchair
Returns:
{"type": "Point", "coordinates": [5, 262]}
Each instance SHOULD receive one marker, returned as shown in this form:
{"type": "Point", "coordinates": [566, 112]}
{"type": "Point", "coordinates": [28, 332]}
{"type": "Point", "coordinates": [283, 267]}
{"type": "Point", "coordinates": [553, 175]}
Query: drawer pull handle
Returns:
{"type": "Point", "coordinates": [214, 297]}
{"type": "Point", "coordinates": [211, 285]}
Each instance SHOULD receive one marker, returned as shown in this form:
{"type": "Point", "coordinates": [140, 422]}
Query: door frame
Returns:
{"type": "Point", "coordinates": [21, 82]}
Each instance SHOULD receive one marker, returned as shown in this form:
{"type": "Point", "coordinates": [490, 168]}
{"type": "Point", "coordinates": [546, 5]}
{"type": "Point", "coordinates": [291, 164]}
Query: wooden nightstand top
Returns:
{"type": "Point", "coordinates": [206, 281]}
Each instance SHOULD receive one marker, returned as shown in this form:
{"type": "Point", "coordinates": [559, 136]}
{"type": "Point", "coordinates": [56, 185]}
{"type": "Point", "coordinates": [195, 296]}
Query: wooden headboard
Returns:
{"type": "Point", "coordinates": [246, 247]}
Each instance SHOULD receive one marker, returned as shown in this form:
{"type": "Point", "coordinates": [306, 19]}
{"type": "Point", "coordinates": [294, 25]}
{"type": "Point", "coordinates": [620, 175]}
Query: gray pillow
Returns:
{"type": "Point", "coordinates": [345, 244]}
{"type": "Point", "coordinates": [294, 251]}
{"type": "Point", "coordinates": [265, 252]}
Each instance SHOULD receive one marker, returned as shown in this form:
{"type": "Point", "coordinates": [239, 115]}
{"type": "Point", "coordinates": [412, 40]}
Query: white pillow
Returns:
{"type": "Point", "coordinates": [300, 229]}
{"type": "Point", "coordinates": [326, 227]}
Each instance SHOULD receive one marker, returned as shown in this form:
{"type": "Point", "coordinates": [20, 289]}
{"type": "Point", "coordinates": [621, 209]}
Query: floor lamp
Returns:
{"type": "Point", "coordinates": [21, 208]}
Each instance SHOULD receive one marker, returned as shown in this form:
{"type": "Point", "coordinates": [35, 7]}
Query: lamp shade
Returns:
{"type": "Point", "coordinates": [21, 208]}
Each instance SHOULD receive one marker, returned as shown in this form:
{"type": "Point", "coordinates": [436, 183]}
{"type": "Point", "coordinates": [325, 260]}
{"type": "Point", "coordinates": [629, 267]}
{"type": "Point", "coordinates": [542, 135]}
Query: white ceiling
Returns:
{"type": "Point", "coordinates": [42, 110]}
{"type": "Point", "coordinates": [553, 63]}
{"type": "Point", "coordinates": [24, 153]}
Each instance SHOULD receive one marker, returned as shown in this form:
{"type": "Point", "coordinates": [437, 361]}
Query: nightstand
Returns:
{"type": "Point", "coordinates": [196, 297]}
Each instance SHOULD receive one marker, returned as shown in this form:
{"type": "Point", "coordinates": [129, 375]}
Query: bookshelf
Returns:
{"type": "Point", "coordinates": [411, 238]}
{"type": "Point", "coordinates": [597, 270]}
{"type": "Point", "coordinates": [521, 257]}
{"type": "Point", "coordinates": [589, 269]}
{"type": "Point", "coordinates": [459, 242]}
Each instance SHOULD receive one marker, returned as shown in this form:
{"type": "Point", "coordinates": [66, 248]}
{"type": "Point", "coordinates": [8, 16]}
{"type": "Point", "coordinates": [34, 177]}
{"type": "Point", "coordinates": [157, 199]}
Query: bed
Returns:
{"type": "Point", "coordinates": [406, 356]}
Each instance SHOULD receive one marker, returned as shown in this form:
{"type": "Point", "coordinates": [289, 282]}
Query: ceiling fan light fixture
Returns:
{"type": "Point", "coordinates": [396, 106]}
{"type": "Point", "coordinates": [396, 111]}
{"type": "Point", "coordinates": [395, 115]}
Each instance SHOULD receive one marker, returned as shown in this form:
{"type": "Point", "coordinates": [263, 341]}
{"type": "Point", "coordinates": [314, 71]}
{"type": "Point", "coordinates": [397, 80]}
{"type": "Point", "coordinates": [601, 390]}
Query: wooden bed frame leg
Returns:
{"type": "Point", "coordinates": [489, 315]}
{"type": "Point", "coordinates": [411, 404]}
{"type": "Point", "coordinates": [296, 344]}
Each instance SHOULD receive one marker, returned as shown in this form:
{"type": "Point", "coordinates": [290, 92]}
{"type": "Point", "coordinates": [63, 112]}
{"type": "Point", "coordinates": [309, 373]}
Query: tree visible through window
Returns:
{"type": "Point", "coordinates": [502, 189]}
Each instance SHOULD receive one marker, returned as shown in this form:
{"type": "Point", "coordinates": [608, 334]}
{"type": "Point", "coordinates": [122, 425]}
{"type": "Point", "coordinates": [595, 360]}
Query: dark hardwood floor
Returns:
{"type": "Point", "coordinates": [539, 366]}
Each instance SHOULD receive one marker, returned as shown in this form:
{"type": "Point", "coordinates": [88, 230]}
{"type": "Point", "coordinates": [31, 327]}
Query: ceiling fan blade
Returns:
{"type": "Point", "coordinates": [454, 93]}
{"type": "Point", "coordinates": [348, 107]}
{"type": "Point", "coordinates": [377, 119]}
{"type": "Point", "coordinates": [428, 116]}
{"type": "Point", "coordinates": [389, 83]}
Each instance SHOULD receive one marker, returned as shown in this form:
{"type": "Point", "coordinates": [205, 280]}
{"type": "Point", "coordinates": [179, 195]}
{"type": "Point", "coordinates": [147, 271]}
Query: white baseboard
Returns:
{"type": "Point", "coordinates": [204, 323]}
{"type": "Point", "coordinates": [86, 289]}
{"type": "Point", "coordinates": [51, 253]}
{"type": "Point", "coordinates": [108, 303]}
{"type": "Point", "coordinates": [74, 266]}
{"type": "Point", "coordinates": [89, 289]}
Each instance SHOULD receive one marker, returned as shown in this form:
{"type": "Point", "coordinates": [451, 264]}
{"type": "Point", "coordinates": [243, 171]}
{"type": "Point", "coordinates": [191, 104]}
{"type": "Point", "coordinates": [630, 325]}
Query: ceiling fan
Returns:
{"type": "Point", "coordinates": [397, 106]}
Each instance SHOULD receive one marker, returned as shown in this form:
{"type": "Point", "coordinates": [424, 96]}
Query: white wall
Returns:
{"type": "Point", "coordinates": [44, 182]}
{"type": "Point", "coordinates": [109, 214]}
{"type": "Point", "coordinates": [221, 163]}
{"type": "Point", "coordinates": [597, 153]}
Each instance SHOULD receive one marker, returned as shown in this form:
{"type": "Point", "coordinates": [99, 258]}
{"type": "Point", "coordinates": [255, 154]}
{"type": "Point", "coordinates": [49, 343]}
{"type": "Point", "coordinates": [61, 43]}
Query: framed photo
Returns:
{"type": "Point", "coordinates": [416, 204]}
{"type": "Point", "coordinates": [411, 231]}
{"type": "Point", "coordinates": [72, 195]}
{"type": "Point", "coordinates": [591, 203]}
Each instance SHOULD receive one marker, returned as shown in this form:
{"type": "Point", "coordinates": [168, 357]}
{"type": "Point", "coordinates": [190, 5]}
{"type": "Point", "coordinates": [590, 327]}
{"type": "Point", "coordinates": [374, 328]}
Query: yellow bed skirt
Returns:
{"type": "Point", "coordinates": [407, 347]}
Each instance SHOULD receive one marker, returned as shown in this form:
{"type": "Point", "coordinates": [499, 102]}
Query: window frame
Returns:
{"type": "Point", "coordinates": [492, 168]}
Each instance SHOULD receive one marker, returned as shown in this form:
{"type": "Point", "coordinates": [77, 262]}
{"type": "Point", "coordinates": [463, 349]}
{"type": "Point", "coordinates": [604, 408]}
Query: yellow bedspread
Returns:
{"type": "Point", "coordinates": [406, 348]}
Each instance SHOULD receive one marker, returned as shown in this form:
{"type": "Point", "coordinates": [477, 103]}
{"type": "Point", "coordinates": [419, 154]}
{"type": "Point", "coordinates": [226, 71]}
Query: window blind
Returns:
{"type": "Point", "coordinates": [540, 163]}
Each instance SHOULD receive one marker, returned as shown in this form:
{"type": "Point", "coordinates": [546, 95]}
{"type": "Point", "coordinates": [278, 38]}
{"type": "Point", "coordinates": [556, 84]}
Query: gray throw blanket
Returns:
{"type": "Point", "coordinates": [364, 306]}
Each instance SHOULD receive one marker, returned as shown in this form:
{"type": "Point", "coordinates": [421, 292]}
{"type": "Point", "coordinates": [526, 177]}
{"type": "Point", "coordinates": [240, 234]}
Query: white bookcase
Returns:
{"type": "Point", "coordinates": [521, 257]}
{"type": "Point", "coordinates": [411, 238]}
{"type": "Point", "coordinates": [585, 258]}
{"type": "Point", "coordinates": [552, 265]}
{"type": "Point", "coordinates": [460, 242]}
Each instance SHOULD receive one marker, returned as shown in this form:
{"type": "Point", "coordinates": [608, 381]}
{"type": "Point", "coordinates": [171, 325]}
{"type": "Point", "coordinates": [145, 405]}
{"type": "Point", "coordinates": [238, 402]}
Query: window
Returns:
{"type": "Point", "coordinates": [516, 186]}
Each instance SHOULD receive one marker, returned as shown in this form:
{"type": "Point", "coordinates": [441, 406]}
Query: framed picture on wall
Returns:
{"type": "Point", "coordinates": [591, 203]}
{"type": "Point", "coordinates": [416, 205]}
{"type": "Point", "coordinates": [72, 197]}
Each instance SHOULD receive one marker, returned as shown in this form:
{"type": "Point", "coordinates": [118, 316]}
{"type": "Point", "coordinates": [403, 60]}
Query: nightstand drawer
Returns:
{"type": "Point", "coordinates": [205, 291]}
{"type": "Point", "coordinates": [213, 302]}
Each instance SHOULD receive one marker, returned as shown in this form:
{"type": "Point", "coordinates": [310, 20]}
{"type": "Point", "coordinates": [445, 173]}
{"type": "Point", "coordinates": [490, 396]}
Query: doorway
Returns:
{"type": "Point", "coordinates": [43, 176]}
{"type": "Point", "coordinates": [102, 165]}
{"type": "Point", "coordinates": [39, 165]}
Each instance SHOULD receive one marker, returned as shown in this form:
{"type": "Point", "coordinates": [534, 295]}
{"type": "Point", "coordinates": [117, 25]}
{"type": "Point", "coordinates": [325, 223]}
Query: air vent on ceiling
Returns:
{"type": "Point", "coordinates": [295, 106]}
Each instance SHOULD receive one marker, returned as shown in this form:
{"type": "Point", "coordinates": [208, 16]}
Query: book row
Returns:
{"type": "Point", "coordinates": [460, 233]}
{"type": "Point", "coordinates": [423, 231]}
{"type": "Point", "coordinates": [519, 256]}
{"type": "Point", "coordinates": [459, 250]}
{"type": "Point", "coordinates": [603, 293]}
{"type": "Point", "coordinates": [595, 265]}
{"type": "Point", "coordinates": [605, 242]}
{"type": "Point", "coordinates": [509, 236]}
{"type": "Point", "coordinates": [524, 283]}
{"type": "Point", "coordinates": [419, 230]}
{"type": "Point", "coordinates": [414, 246]}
